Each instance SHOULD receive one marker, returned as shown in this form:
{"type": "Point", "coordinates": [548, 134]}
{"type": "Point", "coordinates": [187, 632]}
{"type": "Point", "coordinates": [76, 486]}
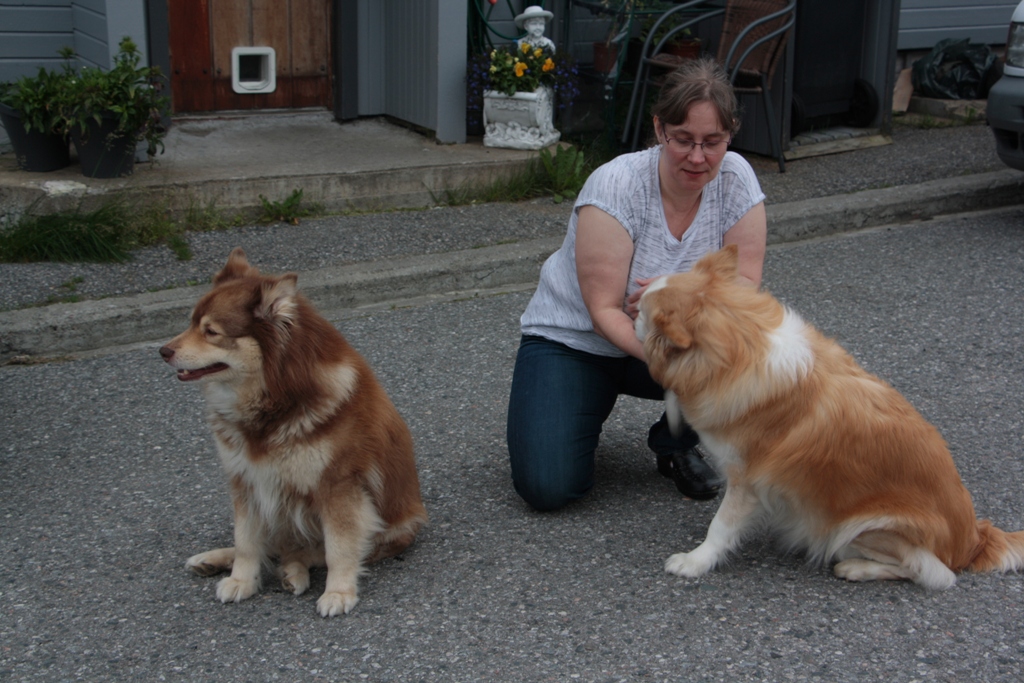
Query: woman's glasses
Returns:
{"type": "Point", "coordinates": [683, 146]}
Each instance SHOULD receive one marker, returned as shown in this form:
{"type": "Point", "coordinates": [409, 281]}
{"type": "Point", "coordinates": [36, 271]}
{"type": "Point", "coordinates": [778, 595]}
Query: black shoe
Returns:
{"type": "Point", "coordinates": [692, 476]}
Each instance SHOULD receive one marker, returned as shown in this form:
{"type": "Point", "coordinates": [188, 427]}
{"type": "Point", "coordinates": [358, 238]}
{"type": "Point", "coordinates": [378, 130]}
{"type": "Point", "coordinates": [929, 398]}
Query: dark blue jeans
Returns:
{"type": "Point", "coordinates": [559, 401]}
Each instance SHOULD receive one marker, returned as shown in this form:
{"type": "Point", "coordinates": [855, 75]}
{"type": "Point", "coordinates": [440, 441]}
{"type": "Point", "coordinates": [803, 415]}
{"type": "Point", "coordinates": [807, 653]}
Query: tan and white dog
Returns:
{"type": "Point", "coordinates": [829, 456]}
{"type": "Point", "coordinates": [320, 463]}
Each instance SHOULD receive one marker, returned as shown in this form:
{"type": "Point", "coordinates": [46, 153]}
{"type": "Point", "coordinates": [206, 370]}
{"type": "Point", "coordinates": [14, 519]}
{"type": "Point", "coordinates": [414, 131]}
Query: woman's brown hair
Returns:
{"type": "Point", "coordinates": [693, 82]}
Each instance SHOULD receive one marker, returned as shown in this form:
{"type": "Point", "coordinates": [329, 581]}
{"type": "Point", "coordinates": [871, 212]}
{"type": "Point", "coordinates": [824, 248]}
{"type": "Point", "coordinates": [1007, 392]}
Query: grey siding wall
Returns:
{"type": "Point", "coordinates": [99, 25]}
{"type": "Point", "coordinates": [925, 22]}
{"type": "Point", "coordinates": [409, 68]}
{"type": "Point", "coordinates": [371, 52]}
{"type": "Point", "coordinates": [412, 63]}
{"type": "Point", "coordinates": [91, 40]}
{"type": "Point", "coordinates": [31, 33]}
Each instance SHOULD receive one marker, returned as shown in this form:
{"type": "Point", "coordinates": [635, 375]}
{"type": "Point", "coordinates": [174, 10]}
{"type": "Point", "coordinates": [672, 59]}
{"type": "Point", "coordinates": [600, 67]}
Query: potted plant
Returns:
{"type": "Point", "coordinates": [108, 112]}
{"type": "Point", "coordinates": [682, 44]}
{"type": "Point", "coordinates": [30, 112]}
{"type": "Point", "coordinates": [519, 104]}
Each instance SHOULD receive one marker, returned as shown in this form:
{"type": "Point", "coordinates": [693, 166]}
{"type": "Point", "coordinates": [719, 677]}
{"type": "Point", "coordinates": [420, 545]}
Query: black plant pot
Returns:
{"type": "Point", "coordinates": [34, 151]}
{"type": "Point", "coordinates": [103, 151]}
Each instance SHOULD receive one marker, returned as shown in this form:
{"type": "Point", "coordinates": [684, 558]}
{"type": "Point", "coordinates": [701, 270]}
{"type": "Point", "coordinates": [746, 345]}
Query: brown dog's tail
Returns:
{"type": "Point", "coordinates": [998, 550]}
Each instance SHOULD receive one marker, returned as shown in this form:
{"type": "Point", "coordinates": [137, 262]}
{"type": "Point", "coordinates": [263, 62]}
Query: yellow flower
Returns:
{"type": "Point", "coordinates": [525, 47]}
{"type": "Point", "coordinates": [520, 69]}
{"type": "Point", "coordinates": [537, 52]}
{"type": "Point", "coordinates": [494, 68]}
{"type": "Point", "coordinates": [549, 65]}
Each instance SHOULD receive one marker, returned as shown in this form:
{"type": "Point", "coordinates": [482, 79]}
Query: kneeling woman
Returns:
{"type": "Point", "coordinates": [639, 216]}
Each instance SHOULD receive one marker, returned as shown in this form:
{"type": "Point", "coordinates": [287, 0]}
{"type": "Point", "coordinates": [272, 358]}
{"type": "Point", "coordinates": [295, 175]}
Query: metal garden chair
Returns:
{"type": "Point", "coordinates": [753, 38]}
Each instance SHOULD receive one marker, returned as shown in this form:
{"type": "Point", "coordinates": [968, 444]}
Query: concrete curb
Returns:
{"type": "Point", "coordinates": [830, 215]}
{"type": "Point", "coordinates": [70, 328]}
{"type": "Point", "coordinates": [400, 188]}
{"type": "Point", "coordinates": [61, 329]}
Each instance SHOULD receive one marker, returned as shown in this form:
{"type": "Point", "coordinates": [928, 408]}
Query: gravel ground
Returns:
{"type": "Point", "coordinates": [916, 155]}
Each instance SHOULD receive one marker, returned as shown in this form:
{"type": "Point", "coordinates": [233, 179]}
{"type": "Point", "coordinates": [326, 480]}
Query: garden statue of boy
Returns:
{"type": "Point", "coordinates": [523, 120]}
{"type": "Point", "coordinates": [534, 20]}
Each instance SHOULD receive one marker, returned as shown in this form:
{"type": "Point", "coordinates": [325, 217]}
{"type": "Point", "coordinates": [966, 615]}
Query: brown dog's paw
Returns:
{"type": "Point", "coordinates": [236, 590]}
{"type": "Point", "coordinates": [212, 562]}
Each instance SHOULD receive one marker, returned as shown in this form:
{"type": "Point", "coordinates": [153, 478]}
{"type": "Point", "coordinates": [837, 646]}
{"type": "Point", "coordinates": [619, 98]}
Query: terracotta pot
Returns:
{"type": "Point", "coordinates": [605, 57]}
{"type": "Point", "coordinates": [687, 48]}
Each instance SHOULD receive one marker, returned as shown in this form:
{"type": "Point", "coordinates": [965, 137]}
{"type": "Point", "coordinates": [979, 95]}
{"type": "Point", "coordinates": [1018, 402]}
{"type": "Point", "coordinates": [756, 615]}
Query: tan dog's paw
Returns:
{"type": "Point", "coordinates": [236, 590]}
{"type": "Point", "coordinates": [855, 570]}
{"type": "Point", "coordinates": [685, 564]}
{"type": "Point", "coordinates": [212, 562]}
{"type": "Point", "coordinates": [333, 604]}
{"type": "Point", "coordinates": [295, 577]}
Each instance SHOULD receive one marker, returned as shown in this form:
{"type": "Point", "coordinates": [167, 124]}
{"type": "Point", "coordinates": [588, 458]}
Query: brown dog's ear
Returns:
{"type": "Point", "coordinates": [724, 262]}
{"type": "Point", "coordinates": [277, 300]}
{"type": "Point", "coordinates": [673, 330]}
{"type": "Point", "coordinates": [237, 266]}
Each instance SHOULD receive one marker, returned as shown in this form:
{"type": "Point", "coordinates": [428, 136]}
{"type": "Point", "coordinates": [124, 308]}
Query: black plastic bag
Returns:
{"type": "Point", "coordinates": [955, 70]}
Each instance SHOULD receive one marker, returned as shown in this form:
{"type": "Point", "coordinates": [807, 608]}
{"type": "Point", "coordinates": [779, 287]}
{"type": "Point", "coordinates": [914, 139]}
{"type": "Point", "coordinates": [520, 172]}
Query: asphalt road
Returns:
{"type": "Point", "coordinates": [108, 482]}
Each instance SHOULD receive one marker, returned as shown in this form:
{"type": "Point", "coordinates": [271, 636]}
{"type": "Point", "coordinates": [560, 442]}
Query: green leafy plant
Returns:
{"type": "Point", "coordinates": [653, 11]}
{"type": "Point", "coordinates": [38, 99]}
{"type": "Point", "coordinates": [288, 210]}
{"type": "Point", "coordinates": [130, 93]}
{"type": "Point", "coordinates": [566, 171]}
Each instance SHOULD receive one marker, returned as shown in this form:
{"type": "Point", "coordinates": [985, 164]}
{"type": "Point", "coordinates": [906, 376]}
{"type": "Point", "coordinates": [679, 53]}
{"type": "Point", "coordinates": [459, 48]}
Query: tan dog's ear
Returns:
{"type": "Point", "coordinates": [277, 302]}
{"type": "Point", "coordinates": [673, 329]}
{"type": "Point", "coordinates": [724, 262]}
{"type": "Point", "coordinates": [237, 266]}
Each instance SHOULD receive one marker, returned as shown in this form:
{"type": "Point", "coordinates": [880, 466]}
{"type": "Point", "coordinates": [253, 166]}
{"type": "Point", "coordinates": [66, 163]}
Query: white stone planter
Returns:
{"type": "Point", "coordinates": [522, 121]}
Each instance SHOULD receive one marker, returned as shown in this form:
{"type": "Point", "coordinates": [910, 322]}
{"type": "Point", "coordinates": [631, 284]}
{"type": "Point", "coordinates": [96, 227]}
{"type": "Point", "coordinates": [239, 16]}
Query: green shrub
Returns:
{"type": "Point", "coordinates": [566, 171]}
{"type": "Point", "coordinates": [288, 210]}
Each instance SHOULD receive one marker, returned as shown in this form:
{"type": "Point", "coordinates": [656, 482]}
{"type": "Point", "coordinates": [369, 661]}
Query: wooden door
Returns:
{"type": "Point", "coordinates": [203, 33]}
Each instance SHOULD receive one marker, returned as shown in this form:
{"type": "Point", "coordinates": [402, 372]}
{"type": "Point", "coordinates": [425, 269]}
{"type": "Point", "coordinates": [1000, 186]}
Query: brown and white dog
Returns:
{"type": "Point", "coordinates": [831, 457]}
{"type": "Point", "coordinates": [320, 463]}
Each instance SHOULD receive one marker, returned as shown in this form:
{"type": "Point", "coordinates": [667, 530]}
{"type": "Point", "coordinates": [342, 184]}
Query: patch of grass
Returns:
{"type": "Point", "coordinates": [288, 210]}
{"type": "Point", "coordinates": [107, 234]}
{"type": "Point", "coordinates": [524, 183]}
{"type": "Point", "coordinates": [35, 360]}
{"type": "Point", "coordinates": [68, 295]}
{"type": "Point", "coordinates": [179, 245]}
{"type": "Point", "coordinates": [207, 218]}
{"type": "Point", "coordinates": [103, 235]}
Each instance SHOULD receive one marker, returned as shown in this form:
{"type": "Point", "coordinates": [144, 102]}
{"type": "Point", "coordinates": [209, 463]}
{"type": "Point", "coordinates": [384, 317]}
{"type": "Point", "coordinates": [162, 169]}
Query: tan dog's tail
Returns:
{"type": "Point", "coordinates": [998, 550]}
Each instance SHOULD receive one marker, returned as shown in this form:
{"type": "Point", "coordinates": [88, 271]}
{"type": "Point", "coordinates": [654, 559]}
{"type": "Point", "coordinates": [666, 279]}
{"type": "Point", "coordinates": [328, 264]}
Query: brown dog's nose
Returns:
{"type": "Point", "coordinates": [167, 352]}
